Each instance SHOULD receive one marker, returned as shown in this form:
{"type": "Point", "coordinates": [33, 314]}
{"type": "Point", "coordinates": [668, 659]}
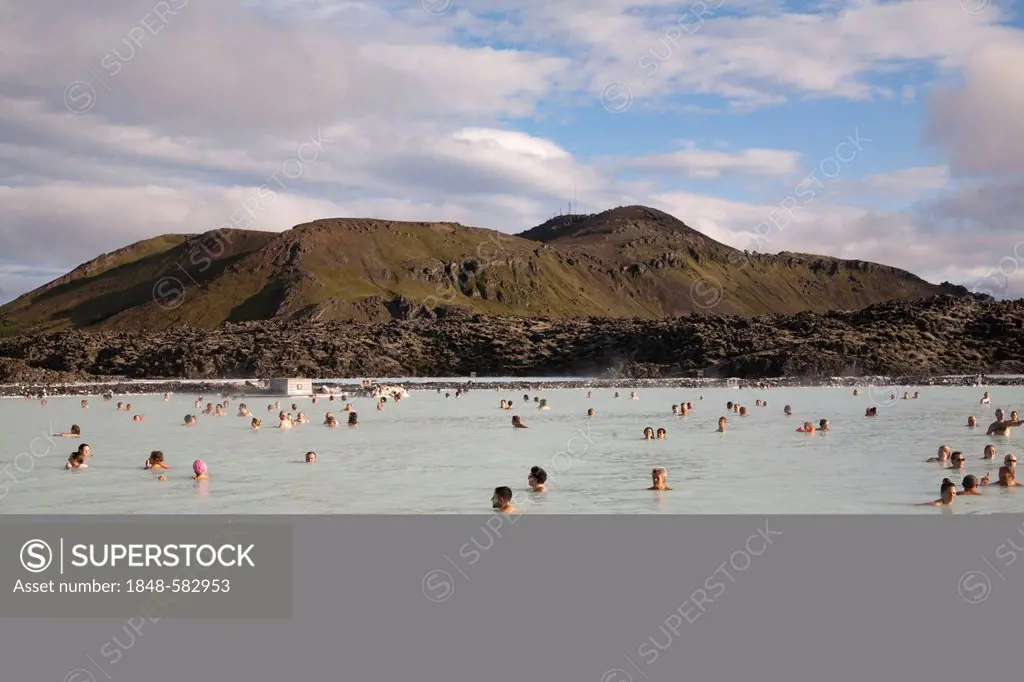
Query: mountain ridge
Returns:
{"type": "Point", "coordinates": [629, 261]}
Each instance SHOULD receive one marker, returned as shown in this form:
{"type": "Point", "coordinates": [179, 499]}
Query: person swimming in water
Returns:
{"type": "Point", "coordinates": [517, 422]}
{"type": "Point", "coordinates": [675, 409]}
{"type": "Point", "coordinates": [536, 479]}
{"type": "Point", "coordinates": [616, 394]}
{"type": "Point", "coordinates": [501, 500]}
{"type": "Point", "coordinates": [85, 404]}
{"type": "Point", "coordinates": [871, 412]}
{"type": "Point", "coordinates": [823, 425]}
{"type": "Point", "coordinates": [301, 418]}
{"type": "Point", "coordinates": [972, 422]}
{"type": "Point", "coordinates": [957, 461]}
{"type": "Point", "coordinates": [1002, 427]}
{"type": "Point", "coordinates": [590, 412]}
{"type": "Point", "coordinates": [633, 395]}
{"type": "Point", "coordinates": [990, 452]}
{"type": "Point", "coordinates": [349, 408]}
{"type": "Point", "coordinates": [190, 420]}
{"type": "Point", "coordinates": [137, 417]}
{"type": "Point", "coordinates": [722, 421]}
{"type": "Point", "coordinates": [285, 421]}
{"type": "Point", "coordinates": [947, 493]}
{"type": "Point", "coordinates": [743, 411]}
{"type": "Point", "coordinates": [310, 457]}
{"type": "Point", "coordinates": [943, 455]}
{"type": "Point", "coordinates": [985, 399]}
{"type": "Point", "coordinates": [856, 391]}
{"type": "Point", "coordinates": [504, 405]}
{"type": "Point", "coordinates": [971, 483]}
{"type": "Point", "coordinates": [662, 434]}
{"type": "Point", "coordinates": [76, 432]}
{"type": "Point", "coordinates": [219, 410]}
{"type": "Point", "coordinates": [1007, 477]}
{"type": "Point", "coordinates": [353, 419]}
{"type": "Point", "coordinates": [648, 433]}
{"type": "Point", "coordinates": [76, 461]}
{"type": "Point", "coordinates": [256, 423]}
{"type": "Point", "coordinates": [78, 458]}
{"type": "Point", "coordinates": [155, 461]}
{"type": "Point", "coordinates": [788, 411]}
{"type": "Point", "coordinates": [200, 471]}
{"type": "Point", "coordinates": [659, 479]}
{"type": "Point", "coordinates": [243, 410]}
{"type": "Point", "coordinates": [331, 422]}
{"type": "Point", "coordinates": [1010, 461]}
{"type": "Point", "coordinates": [543, 404]}
{"type": "Point", "coordinates": [684, 409]}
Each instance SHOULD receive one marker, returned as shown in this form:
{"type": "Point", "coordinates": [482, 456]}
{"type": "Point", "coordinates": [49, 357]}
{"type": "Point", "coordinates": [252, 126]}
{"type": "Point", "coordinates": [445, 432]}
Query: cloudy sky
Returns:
{"type": "Point", "coordinates": [880, 130]}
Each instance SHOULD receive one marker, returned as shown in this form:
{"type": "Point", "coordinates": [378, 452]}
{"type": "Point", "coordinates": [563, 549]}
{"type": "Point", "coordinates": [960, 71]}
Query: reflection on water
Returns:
{"type": "Point", "coordinates": [445, 456]}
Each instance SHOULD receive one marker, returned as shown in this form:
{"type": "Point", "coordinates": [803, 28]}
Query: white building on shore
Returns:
{"type": "Point", "coordinates": [291, 387]}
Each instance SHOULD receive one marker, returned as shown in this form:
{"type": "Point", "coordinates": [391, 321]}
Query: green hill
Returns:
{"type": "Point", "coordinates": [626, 262]}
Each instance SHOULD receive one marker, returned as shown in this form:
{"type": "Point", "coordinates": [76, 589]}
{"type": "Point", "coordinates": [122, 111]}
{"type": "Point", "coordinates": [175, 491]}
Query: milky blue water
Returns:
{"type": "Point", "coordinates": [433, 455]}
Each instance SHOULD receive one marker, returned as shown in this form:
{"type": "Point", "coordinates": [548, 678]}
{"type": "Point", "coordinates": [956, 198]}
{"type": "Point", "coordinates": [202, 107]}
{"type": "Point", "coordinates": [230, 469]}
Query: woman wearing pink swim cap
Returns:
{"type": "Point", "coordinates": [199, 467]}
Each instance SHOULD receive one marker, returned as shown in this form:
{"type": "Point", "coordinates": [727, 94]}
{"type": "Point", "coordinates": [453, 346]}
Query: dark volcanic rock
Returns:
{"type": "Point", "coordinates": [925, 338]}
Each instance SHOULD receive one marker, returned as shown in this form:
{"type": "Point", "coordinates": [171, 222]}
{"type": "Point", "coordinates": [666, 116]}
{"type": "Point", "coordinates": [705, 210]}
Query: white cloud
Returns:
{"type": "Point", "coordinates": [751, 54]}
{"type": "Point", "coordinates": [703, 163]}
{"type": "Point", "coordinates": [903, 185]}
{"type": "Point", "coordinates": [981, 123]}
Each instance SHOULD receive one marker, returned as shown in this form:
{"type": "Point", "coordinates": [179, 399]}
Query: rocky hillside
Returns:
{"type": "Point", "coordinates": [940, 335]}
{"type": "Point", "coordinates": [627, 262]}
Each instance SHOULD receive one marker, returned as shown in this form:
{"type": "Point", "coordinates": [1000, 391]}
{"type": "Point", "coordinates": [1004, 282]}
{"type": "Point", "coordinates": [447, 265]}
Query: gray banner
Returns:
{"type": "Point", "coordinates": [151, 568]}
{"type": "Point", "coordinates": [590, 598]}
